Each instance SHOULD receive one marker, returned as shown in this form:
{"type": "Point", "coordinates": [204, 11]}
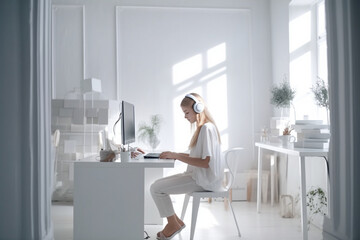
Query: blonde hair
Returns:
{"type": "Point", "coordinates": [201, 118]}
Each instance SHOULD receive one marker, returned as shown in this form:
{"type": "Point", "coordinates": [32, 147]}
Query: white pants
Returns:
{"type": "Point", "coordinates": [175, 184]}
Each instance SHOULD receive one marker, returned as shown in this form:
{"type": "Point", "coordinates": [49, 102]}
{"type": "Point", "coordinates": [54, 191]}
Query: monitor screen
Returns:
{"type": "Point", "coordinates": [127, 123]}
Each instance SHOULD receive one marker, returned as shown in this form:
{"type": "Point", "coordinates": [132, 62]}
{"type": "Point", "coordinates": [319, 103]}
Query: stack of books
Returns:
{"type": "Point", "coordinates": [311, 134]}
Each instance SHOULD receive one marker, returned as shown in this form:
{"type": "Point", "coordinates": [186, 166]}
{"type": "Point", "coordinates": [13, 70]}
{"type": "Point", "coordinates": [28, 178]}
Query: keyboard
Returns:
{"type": "Point", "coordinates": [152, 155]}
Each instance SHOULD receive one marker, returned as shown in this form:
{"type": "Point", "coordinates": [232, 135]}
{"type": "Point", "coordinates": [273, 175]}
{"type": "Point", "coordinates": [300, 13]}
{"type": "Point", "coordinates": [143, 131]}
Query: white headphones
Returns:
{"type": "Point", "coordinates": [198, 106]}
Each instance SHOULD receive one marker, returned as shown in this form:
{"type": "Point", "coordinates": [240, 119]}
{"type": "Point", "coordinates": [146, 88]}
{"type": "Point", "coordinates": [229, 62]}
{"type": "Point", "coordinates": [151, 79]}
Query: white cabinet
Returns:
{"type": "Point", "coordinates": [109, 198]}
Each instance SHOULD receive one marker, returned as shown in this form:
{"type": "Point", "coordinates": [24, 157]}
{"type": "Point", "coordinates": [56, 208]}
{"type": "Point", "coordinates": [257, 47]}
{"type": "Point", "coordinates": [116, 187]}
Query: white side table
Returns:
{"type": "Point", "coordinates": [301, 153]}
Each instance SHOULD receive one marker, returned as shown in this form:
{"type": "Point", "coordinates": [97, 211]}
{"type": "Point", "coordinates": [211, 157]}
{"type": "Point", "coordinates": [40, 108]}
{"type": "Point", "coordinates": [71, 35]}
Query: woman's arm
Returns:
{"type": "Point", "coordinates": [197, 162]}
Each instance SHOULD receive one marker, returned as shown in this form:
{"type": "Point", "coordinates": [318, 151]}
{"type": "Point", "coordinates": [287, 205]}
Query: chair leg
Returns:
{"type": "Point", "coordinates": [195, 209]}
{"type": "Point", "coordinates": [185, 204]}
{"type": "Point", "coordinates": [237, 226]}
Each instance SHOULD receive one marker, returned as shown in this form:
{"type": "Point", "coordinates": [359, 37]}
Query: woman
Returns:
{"type": "Point", "coordinates": [205, 166]}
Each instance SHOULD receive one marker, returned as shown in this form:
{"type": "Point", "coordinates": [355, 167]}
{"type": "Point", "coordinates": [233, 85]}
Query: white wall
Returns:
{"type": "Point", "coordinates": [280, 39]}
{"type": "Point", "coordinates": [166, 53]}
{"type": "Point", "coordinates": [133, 46]}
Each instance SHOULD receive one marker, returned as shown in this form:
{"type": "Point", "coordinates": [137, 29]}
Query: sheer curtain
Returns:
{"type": "Point", "coordinates": [36, 131]}
{"type": "Point", "coordinates": [343, 58]}
{"type": "Point", "coordinates": [25, 174]}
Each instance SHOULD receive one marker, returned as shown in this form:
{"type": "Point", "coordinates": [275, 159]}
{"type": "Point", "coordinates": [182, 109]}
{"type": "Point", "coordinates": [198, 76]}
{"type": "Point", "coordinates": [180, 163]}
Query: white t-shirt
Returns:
{"type": "Point", "coordinates": [208, 145]}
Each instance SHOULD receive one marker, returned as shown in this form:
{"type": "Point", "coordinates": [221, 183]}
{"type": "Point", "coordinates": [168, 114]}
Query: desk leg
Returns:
{"type": "Point", "coordinates": [259, 180]}
{"type": "Point", "coordinates": [272, 177]}
{"type": "Point", "coordinates": [303, 197]}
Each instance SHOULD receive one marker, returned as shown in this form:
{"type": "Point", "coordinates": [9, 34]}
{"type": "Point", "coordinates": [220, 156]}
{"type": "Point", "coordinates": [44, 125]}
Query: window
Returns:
{"type": "Point", "coordinates": [308, 57]}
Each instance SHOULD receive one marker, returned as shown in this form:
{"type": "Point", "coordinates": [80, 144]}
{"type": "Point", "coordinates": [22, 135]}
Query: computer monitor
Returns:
{"type": "Point", "coordinates": [127, 123]}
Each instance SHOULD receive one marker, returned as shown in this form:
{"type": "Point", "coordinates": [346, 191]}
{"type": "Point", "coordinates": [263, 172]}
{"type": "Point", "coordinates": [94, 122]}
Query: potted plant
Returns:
{"type": "Point", "coordinates": [148, 133]}
{"type": "Point", "coordinates": [286, 138]}
{"type": "Point", "coordinates": [287, 130]}
{"type": "Point", "coordinates": [316, 203]}
{"type": "Point", "coordinates": [282, 95]}
{"type": "Point", "coordinates": [321, 95]}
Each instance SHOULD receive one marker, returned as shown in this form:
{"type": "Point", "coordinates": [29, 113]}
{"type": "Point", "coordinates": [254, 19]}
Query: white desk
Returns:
{"type": "Point", "coordinates": [301, 153]}
{"type": "Point", "coordinates": [109, 198]}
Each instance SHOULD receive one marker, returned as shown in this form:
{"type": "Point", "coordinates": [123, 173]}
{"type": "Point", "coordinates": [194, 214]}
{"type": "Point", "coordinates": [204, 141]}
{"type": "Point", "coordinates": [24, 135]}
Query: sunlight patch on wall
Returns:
{"type": "Point", "coordinates": [186, 69]}
{"type": "Point", "coordinates": [217, 101]}
{"type": "Point", "coordinates": [216, 55]}
{"type": "Point", "coordinates": [212, 74]}
{"type": "Point", "coordinates": [185, 86]}
{"type": "Point", "coordinates": [300, 31]}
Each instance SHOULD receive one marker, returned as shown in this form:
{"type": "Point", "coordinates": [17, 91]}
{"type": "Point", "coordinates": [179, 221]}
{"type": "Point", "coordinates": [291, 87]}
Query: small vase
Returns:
{"type": "Point", "coordinates": [285, 112]}
{"type": "Point", "coordinates": [286, 140]}
{"type": "Point", "coordinates": [154, 142]}
{"type": "Point", "coordinates": [293, 107]}
{"type": "Point", "coordinates": [328, 116]}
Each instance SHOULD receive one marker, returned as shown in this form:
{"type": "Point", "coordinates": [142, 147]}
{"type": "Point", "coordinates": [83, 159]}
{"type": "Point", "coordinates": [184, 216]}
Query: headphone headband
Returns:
{"type": "Point", "coordinates": [192, 97]}
{"type": "Point", "coordinates": [198, 106]}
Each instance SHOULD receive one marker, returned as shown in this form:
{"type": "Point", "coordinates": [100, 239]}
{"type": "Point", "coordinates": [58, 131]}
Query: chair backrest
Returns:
{"type": "Point", "coordinates": [232, 159]}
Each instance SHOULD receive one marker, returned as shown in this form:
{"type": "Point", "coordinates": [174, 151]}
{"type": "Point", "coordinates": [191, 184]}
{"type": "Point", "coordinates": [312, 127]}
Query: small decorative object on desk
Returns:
{"type": "Point", "coordinates": [277, 125]}
{"type": "Point", "coordinates": [125, 156]}
{"type": "Point", "coordinates": [107, 155]}
{"type": "Point", "coordinates": [264, 137]}
{"type": "Point", "coordinates": [286, 138]}
{"type": "Point", "coordinates": [287, 130]}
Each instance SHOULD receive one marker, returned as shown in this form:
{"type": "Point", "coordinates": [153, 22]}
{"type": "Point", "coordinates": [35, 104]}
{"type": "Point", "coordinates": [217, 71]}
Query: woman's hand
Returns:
{"type": "Point", "coordinates": [140, 150]}
{"type": "Point", "coordinates": [137, 152]}
{"type": "Point", "coordinates": [168, 155]}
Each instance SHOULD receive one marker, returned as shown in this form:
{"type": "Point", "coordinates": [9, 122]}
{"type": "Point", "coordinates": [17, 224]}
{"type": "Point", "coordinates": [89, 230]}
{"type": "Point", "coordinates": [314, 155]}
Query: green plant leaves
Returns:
{"type": "Point", "coordinates": [321, 93]}
{"type": "Point", "coordinates": [147, 133]}
{"type": "Point", "coordinates": [282, 95]}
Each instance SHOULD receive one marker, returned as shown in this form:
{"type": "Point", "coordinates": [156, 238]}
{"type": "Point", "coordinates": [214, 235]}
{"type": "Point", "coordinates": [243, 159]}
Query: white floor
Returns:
{"type": "Point", "coordinates": [214, 222]}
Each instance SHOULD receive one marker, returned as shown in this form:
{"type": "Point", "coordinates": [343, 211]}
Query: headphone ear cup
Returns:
{"type": "Point", "coordinates": [198, 107]}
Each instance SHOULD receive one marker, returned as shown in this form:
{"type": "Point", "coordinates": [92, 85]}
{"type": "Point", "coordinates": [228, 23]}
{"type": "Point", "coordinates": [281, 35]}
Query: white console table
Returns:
{"type": "Point", "coordinates": [109, 198]}
{"type": "Point", "coordinates": [301, 153]}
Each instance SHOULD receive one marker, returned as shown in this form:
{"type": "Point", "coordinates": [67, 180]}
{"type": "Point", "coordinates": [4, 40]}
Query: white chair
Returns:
{"type": "Point", "coordinates": [232, 160]}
